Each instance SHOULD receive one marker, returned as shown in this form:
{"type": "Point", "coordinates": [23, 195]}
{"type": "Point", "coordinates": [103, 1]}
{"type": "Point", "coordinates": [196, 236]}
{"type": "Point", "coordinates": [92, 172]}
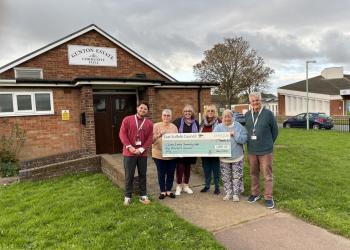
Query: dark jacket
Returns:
{"type": "Point", "coordinates": [266, 132]}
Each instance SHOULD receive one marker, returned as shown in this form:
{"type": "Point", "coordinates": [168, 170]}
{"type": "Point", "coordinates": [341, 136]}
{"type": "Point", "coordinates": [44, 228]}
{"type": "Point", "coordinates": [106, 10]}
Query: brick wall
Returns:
{"type": "Point", "coordinates": [176, 99]}
{"type": "Point", "coordinates": [55, 62]}
{"type": "Point", "coordinates": [87, 164]}
{"type": "Point", "coordinates": [88, 130]}
{"type": "Point", "coordinates": [48, 134]}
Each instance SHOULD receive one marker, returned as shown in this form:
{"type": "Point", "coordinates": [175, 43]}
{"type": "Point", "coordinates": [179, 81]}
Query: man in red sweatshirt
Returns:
{"type": "Point", "coordinates": [136, 134]}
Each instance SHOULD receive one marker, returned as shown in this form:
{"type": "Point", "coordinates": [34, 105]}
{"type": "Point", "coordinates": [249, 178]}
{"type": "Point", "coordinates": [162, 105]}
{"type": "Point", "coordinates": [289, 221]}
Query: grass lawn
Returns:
{"type": "Point", "coordinates": [312, 177]}
{"type": "Point", "coordinates": [86, 212]}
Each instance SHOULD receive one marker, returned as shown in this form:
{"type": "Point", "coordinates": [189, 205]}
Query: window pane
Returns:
{"type": "Point", "coordinates": [42, 102]}
{"type": "Point", "coordinates": [100, 105]}
{"type": "Point", "coordinates": [6, 104]}
{"type": "Point", "coordinates": [24, 102]}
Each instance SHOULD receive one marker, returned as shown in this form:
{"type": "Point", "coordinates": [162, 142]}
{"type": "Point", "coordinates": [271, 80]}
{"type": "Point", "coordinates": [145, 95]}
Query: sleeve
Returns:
{"type": "Point", "coordinates": [241, 135]}
{"type": "Point", "coordinates": [149, 136]}
{"type": "Point", "coordinates": [176, 122]}
{"type": "Point", "coordinates": [217, 128]}
{"type": "Point", "coordinates": [155, 132]}
{"type": "Point", "coordinates": [123, 132]}
{"type": "Point", "coordinates": [197, 124]}
{"type": "Point", "coordinates": [274, 127]}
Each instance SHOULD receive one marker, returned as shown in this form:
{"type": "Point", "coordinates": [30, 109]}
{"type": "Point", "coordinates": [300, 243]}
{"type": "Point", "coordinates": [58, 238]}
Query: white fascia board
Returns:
{"type": "Point", "coordinates": [183, 87]}
{"type": "Point", "coordinates": [311, 95]}
{"type": "Point", "coordinates": [116, 83]}
{"type": "Point", "coordinates": [45, 49]}
{"type": "Point", "coordinates": [7, 81]}
{"type": "Point", "coordinates": [36, 85]}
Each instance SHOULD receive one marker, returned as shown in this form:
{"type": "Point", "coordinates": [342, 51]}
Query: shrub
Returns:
{"type": "Point", "coordinates": [10, 146]}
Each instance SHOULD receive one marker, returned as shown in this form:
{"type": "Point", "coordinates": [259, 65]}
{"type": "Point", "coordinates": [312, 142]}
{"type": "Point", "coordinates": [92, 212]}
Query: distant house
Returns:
{"type": "Point", "coordinates": [328, 93]}
{"type": "Point", "coordinates": [269, 101]}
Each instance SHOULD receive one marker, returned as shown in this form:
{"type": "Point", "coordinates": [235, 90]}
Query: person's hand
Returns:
{"type": "Point", "coordinates": [137, 152]}
{"type": "Point", "coordinates": [132, 150]}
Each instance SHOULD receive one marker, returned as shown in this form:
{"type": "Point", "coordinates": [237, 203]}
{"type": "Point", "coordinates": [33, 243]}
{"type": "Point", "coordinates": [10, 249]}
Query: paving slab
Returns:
{"type": "Point", "coordinates": [8, 180]}
{"type": "Point", "coordinates": [280, 231]}
{"type": "Point", "coordinates": [212, 213]}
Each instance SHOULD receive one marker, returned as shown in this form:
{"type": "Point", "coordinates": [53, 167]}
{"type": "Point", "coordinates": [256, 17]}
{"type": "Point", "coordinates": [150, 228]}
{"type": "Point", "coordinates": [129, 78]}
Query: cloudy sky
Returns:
{"type": "Point", "coordinates": [174, 34]}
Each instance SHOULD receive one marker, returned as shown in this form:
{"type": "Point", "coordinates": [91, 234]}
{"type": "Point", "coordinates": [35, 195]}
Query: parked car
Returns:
{"type": "Point", "coordinates": [316, 121]}
{"type": "Point", "coordinates": [239, 117]}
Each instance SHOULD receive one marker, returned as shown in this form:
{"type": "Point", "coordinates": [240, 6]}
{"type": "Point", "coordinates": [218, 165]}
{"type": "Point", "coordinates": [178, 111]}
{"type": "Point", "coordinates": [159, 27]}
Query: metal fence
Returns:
{"type": "Point", "coordinates": [341, 124]}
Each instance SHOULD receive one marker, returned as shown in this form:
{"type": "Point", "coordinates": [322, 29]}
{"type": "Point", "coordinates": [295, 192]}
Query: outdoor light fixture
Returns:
{"type": "Point", "coordinates": [307, 93]}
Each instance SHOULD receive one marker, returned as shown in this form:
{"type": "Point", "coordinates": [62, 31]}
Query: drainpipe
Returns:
{"type": "Point", "coordinates": [199, 104]}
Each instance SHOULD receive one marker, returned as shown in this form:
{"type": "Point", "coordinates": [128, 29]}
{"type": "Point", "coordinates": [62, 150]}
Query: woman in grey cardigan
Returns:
{"type": "Point", "coordinates": [232, 167]}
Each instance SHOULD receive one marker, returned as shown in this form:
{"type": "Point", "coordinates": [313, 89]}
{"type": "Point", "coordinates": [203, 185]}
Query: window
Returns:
{"type": "Point", "coordinates": [24, 102]}
{"type": "Point", "coordinates": [20, 103]}
{"type": "Point", "coordinates": [6, 103]}
{"type": "Point", "coordinates": [42, 102]}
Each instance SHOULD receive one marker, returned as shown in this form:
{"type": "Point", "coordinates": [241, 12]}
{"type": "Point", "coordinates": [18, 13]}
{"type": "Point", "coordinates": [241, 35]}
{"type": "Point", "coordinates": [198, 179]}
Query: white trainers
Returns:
{"type": "Point", "coordinates": [227, 197]}
{"type": "Point", "coordinates": [178, 190]}
{"type": "Point", "coordinates": [127, 201]}
{"type": "Point", "coordinates": [144, 200]}
{"type": "Point", "coordinates": [235, 198]}
{"type": "Point", "coordinates": [187, 189]}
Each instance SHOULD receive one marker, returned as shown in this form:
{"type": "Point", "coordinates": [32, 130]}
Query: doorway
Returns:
{"type": "Point", "coordinates": [109, 112]}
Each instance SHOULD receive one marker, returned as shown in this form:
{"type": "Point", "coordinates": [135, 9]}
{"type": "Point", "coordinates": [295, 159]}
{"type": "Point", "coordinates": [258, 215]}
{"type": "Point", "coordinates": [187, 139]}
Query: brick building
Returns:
{"type": "Point", "coordinates": [328, 93]}
{"type": "Point", "coordinates": [71, 95]}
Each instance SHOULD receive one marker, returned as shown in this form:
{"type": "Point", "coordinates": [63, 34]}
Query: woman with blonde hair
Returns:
{"type": "Point", "coordinates": [185, 124]}
{"type": "Point", "coordinates": [165, 166]}
{"type": "Point", "coordinates": [211, 165]}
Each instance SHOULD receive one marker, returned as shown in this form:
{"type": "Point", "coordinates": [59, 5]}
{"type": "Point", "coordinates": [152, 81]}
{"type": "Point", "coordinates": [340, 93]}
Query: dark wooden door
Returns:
{"type": "Point", "coordinates": [109, 112]}
{"type": "Point", "coordinates": [122, 105]}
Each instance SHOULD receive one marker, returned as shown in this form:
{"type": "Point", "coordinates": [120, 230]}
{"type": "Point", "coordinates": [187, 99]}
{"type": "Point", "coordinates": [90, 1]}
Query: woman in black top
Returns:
{"type": "Point", "coordinates": [185, 124]}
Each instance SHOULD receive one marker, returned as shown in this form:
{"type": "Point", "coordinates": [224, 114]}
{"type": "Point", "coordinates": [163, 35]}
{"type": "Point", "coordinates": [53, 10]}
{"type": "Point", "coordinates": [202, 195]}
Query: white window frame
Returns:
{"type": "Point", "coordinates": [31, 112]}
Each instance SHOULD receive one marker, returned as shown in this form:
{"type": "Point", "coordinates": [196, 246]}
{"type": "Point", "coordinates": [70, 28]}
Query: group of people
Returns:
{"type": "Point", "coordinates": [138, 134]}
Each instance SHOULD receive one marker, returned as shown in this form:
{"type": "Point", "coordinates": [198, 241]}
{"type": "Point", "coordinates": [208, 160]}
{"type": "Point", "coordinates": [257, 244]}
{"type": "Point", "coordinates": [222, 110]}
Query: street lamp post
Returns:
{"type": "Point", "coordinates": [307, 93]}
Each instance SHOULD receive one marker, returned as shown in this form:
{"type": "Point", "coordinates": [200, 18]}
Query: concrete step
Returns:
{"type": "Point", "coordinates": [112, 166]}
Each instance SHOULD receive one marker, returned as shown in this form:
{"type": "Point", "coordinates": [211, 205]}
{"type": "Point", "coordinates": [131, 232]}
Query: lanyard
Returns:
{"type": "Point", "coordinates": [255, 121]}
{"type": "Point", "coordinates": [137, 124]}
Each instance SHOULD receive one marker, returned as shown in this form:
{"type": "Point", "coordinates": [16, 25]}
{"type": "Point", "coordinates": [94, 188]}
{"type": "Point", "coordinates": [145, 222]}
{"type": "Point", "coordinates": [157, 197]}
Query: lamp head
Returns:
{"type": "Point", "coordinates": [313, 61]}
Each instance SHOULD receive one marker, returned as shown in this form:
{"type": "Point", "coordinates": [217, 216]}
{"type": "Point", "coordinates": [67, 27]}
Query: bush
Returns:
{"type": "Point", "coordinates": [10, 146]}
{"type": "Point", "coordinates": [8, 169]}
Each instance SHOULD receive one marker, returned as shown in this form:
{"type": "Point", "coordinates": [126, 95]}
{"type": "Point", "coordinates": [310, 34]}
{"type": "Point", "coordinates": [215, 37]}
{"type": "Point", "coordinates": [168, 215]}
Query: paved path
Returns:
{"type": "Point", "coordinates": [241, 225]}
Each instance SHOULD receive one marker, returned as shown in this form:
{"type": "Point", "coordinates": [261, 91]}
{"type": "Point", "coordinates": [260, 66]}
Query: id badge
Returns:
{"type": "Point", "coordinates": [138, 143]}
{"type": "Point", "coordinates": [254, 137]}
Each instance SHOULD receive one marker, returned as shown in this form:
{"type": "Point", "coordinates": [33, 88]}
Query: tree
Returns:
{"type": "Point", "coordinates": [234, 65]}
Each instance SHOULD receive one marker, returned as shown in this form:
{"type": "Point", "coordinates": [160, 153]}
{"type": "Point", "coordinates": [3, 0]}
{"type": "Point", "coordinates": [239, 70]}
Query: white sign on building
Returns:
{"type": "Point", "coordinates": [92, 56]}
{"type": "Point", "coordinates": [345, 92]}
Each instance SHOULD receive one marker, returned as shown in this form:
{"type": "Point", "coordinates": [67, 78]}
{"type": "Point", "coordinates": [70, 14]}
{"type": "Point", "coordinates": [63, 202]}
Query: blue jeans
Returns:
{"type": "Point", "coordinates": [211, 165]}
{"type": "Point", "coordinates": [166, 170]}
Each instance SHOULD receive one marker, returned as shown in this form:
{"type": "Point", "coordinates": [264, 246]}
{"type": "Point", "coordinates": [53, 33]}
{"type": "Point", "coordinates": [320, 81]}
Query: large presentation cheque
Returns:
{"type": "Point", "coordinates": [197, 144]}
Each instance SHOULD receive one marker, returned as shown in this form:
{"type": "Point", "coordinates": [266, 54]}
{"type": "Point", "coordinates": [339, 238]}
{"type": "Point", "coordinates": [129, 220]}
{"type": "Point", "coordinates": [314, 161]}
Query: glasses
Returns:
{"type": "Point", "coordinates": [166, 115]}
{"type": "Point", "coordinates": [187, 111]}
{"type": "Point", "coordinates": [210, 110]}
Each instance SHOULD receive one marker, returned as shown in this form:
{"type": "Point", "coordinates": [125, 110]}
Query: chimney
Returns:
{"type": "Point", "coordinates": [332, 73]}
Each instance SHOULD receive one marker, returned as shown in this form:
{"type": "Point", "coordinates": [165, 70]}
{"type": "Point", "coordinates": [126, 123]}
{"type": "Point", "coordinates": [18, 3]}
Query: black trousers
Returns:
{"type": "Point", "coordinates": [130, 164]}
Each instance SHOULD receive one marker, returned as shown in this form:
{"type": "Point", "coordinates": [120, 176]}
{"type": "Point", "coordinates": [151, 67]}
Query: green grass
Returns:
{"type": "Point", "coordinates": [312, 177]}
{"type": "Point", "coordinates": [86, 212]}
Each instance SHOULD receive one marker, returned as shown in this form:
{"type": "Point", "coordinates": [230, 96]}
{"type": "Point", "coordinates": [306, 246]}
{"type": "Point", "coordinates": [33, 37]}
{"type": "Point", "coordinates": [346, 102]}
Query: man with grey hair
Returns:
{"type": "Point", "coordinates": [262, 132]}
